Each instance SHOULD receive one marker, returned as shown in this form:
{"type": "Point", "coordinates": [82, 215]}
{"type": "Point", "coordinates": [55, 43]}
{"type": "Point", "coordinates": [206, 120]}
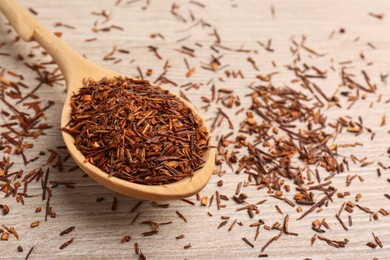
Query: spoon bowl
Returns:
{"type": "Point", "coordinates": [75, 69]}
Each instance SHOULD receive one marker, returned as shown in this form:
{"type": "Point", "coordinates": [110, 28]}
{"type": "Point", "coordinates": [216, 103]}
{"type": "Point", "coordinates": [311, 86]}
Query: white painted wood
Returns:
{"type": "Point", "coordinates": [240, 23]}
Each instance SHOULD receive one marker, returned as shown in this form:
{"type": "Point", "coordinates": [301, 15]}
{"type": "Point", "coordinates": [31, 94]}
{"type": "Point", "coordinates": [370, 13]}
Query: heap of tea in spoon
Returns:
{"type": "Point", "coordinates": [135, 131]}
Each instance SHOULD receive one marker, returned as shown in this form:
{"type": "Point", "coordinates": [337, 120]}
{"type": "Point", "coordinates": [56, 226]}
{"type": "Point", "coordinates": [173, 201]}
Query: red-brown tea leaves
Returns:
{"type": "Point", "coordinates": [137, 132]}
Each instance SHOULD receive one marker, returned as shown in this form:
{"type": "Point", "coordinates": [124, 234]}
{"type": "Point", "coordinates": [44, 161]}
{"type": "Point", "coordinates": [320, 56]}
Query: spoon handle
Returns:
{"type": "Point", "coordinates": [29, 29]}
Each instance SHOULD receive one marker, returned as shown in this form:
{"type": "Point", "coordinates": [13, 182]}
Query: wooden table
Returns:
{"type": "Point", "coordinates": [240, 25]}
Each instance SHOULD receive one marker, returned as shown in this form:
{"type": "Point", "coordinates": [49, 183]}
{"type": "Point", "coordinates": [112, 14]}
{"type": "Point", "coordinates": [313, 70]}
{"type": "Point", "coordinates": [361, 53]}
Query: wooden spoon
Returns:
{"type": "Point", "coordinates": [75, 68]}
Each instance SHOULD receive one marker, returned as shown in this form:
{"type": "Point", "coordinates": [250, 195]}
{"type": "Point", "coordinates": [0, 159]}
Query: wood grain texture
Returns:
{"type": "Point", "coordinates": [99, 230]}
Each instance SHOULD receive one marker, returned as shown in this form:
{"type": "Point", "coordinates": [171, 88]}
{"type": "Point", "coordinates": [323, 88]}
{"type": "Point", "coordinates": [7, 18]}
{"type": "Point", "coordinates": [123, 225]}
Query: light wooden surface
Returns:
{"type": "Point", "coordinates": [99, 230]}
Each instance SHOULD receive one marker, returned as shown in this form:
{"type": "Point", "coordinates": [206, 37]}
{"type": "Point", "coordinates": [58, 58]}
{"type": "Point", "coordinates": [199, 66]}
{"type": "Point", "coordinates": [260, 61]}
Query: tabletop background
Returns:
{"type": "Point", "coordinates": [341, 30]}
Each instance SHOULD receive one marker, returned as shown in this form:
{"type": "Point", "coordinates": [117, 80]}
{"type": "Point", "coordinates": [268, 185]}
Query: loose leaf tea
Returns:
{"type": "Point", "coordinates": [135, 131]}
{"type": "Point", "coordinates": [300, 125]}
